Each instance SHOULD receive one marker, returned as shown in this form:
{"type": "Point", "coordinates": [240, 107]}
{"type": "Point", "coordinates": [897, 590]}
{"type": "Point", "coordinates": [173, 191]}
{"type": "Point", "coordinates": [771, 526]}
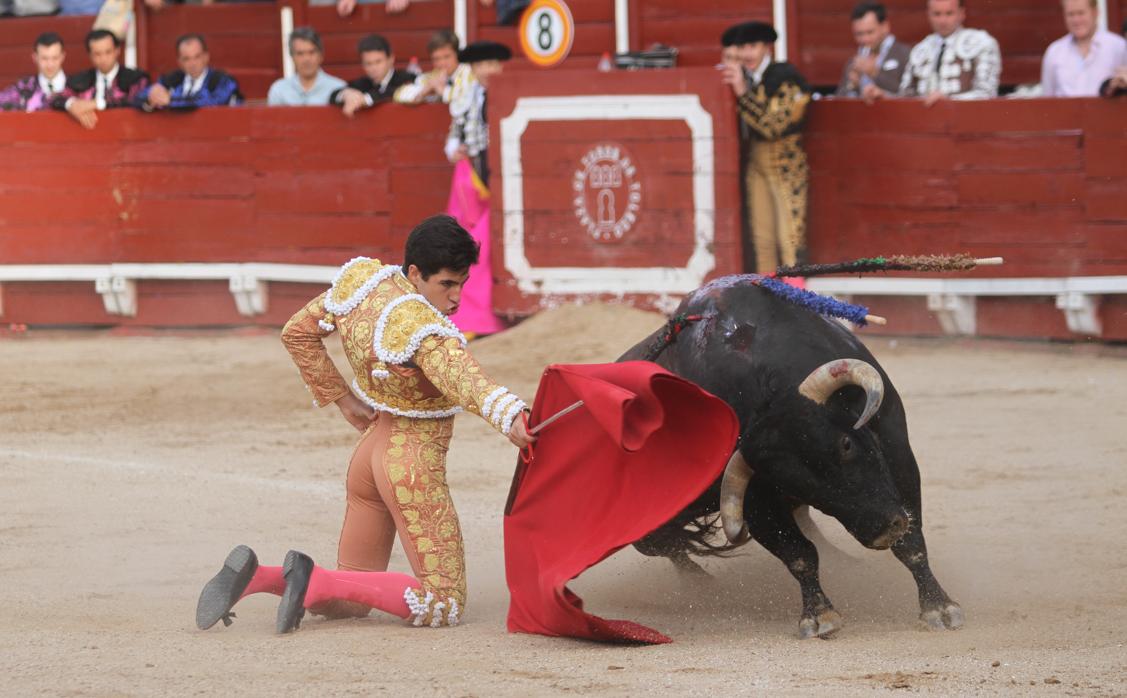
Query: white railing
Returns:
{"type": "Point", "coordinates": [953, 300]}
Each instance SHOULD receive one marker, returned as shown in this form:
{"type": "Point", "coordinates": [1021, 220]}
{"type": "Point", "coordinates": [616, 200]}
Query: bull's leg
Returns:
{"type": "Point", "coordinates": [937, 610]}
{"type": "Point", "coordinates": [668, 541]}
{"type": "Point", "coordinates": [771, 522]}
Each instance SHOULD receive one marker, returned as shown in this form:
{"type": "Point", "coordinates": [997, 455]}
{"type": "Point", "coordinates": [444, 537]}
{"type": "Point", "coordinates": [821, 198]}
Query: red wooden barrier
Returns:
{"type": "Point", "coordinates": [695, 31]}
{"type": "Point", "coordinates": [222, 185]}
{"type": "Point", "coordinates": [629, 155]}
{"type": "Point", "coordinates": [1039, 182]}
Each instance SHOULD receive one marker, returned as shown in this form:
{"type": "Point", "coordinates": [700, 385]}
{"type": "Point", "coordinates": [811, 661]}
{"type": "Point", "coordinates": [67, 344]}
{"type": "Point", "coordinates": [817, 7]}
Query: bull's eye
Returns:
{"type": "Point", "coordinates": [846, 447]}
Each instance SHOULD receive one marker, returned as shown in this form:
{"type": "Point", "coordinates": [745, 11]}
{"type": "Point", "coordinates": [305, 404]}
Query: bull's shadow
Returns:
{"type": "Point", "coordinates": [820, 424]}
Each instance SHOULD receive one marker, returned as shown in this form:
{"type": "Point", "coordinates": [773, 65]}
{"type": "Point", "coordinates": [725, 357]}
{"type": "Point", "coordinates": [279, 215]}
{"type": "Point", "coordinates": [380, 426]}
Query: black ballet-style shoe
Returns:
{"type": "Point", "coordinates": [223, 591]}
{"type": "Point", "coordinates": [297, 569]}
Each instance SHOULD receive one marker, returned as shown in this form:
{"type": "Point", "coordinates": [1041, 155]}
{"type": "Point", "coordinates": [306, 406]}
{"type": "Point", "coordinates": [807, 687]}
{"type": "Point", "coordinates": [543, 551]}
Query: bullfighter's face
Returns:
{"type": "Point", "coordinates": [49, 59]}
{"type": "Point", "coordinates": [443, 289]}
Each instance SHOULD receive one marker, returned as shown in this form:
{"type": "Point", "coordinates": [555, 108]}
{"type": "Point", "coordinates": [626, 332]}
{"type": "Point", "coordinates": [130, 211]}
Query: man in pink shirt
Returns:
{"type": "Point", "coordinates": [1076, 64]}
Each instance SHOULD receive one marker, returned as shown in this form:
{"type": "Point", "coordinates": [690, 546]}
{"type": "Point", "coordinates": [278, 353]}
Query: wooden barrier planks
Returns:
{"type": "Point", "coordinates": [1039, 182]}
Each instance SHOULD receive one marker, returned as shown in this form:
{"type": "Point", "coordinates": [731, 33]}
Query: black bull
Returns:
{"type": "Point", "coordinates": [814, 430]}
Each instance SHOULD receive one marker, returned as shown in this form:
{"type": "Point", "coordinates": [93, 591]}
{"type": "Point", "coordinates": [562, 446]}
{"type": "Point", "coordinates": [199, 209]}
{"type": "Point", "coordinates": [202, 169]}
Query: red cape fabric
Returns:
{"type": "Point", "coordinates": [645, 444]}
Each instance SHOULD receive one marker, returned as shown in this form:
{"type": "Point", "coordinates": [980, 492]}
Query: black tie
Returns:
{"type": "Point", "coordinates": [939, 58]}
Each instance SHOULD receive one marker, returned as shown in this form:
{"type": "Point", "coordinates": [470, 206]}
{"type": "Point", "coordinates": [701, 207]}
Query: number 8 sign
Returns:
{"type": "Point", "coordinates": [546, 32]}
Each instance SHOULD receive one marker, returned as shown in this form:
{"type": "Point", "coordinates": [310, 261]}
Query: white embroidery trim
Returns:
{"type": "Point", "coordinates": [489, 400]}
{"type": "Point", "coordinates": [328, 327]}
{"type": "Point", "coordinates": [380, 373]}
{"type": "Point", "coordinates": [418, 414]}
{"type": "Point", "coordinates": [349, 304]}
{"type": "Point", "coordinates": [452, 614]}
{"type": "Point", "coordinates": [446, 329]}
{"type": "Point", "coordinates": [501, 406]}
{"type": "Point", "coordinates": [511, 415]}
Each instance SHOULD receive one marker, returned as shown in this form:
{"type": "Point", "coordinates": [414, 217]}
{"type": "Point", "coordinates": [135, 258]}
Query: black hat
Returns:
{"type": "Point", "coordinates": [484, 51]}
{"type": "Point", "coordinates": [749, 33]}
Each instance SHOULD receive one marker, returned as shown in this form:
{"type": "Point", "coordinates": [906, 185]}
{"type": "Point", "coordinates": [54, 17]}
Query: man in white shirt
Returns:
{"type": "Point", "coordinates": [35, 92]}
{"type": "Point", "coordinates": [953, 62]}
{"type": "Point", "coordinates": [1076, 64]}
{"type": "Point", "coordinates": [309, 85]}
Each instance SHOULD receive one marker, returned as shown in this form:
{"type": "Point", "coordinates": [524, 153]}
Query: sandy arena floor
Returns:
{"type": "Point", "coordinates": [131, 465]}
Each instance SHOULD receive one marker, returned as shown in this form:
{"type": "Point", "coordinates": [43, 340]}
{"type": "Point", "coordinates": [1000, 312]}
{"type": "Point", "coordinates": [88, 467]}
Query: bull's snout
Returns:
{"type": "Point", "coordinates": [895, 531]}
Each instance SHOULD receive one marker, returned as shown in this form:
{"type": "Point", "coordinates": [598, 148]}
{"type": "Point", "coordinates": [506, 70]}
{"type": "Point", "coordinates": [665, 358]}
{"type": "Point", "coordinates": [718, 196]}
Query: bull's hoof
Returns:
{"type": "Point", "coordinates": [946, 617]}
{"type": "Point", "coordinates": [823, 625]}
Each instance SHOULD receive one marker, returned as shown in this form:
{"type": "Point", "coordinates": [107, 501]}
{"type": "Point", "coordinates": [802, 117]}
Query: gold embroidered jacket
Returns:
{"type": "Point", "coordinates": [776, 107]}
{"type": "Point", "coordinates": [408, 358]}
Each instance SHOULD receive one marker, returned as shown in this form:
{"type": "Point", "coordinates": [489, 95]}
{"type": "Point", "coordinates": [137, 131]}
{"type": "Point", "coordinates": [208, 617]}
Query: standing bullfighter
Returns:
{"type": "Point", "coordinates": [772, 98]}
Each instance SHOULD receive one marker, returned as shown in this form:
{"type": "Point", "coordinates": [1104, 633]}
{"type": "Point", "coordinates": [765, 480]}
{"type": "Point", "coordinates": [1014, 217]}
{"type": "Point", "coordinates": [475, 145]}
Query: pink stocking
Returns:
{"type": "Point", "coordinates": [266, 579]}
{"type": "Point", "coordinates": [382, 590]}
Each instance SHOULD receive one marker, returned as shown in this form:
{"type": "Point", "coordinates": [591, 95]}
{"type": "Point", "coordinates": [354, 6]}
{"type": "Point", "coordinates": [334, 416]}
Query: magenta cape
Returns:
{"type": "Point", "coordinates": [469, 205]}
{"type": "Point", "coordinates": [645, 444]}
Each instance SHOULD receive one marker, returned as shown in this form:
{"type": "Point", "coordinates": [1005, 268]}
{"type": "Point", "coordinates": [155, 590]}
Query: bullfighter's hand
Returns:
{"type": "Point", "coordinates": [159, 96]}
{"type": "Point", "coordinates": [345, 7]}
{"type": "Point", "coordinates": [733, 76]}
{"type": "Point", "coordinates": [356, 412]}
{"type": "Point", "coordinates": [519, 435]}
{"type": "Point", "coordinates": [84, 111]}
{"type": "Point", "coordinates": [394, 6]}
{"type": "Point", "coordinates": [353, 101]}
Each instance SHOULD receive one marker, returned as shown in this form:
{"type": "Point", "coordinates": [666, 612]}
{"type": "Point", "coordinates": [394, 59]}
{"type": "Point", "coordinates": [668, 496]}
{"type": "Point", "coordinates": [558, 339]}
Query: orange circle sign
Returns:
{"type": "Point", "coordinates": [546, 32]}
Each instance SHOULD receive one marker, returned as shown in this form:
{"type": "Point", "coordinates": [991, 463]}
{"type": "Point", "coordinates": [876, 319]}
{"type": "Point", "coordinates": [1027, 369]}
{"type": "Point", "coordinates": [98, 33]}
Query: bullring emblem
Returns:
{"type": "Point", "coordinates": [607, 192]}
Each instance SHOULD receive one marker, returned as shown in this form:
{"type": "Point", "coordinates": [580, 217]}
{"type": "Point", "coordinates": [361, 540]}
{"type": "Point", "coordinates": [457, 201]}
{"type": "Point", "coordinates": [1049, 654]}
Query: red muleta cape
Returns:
{"type": "Point", "coordinates": [645, 444]}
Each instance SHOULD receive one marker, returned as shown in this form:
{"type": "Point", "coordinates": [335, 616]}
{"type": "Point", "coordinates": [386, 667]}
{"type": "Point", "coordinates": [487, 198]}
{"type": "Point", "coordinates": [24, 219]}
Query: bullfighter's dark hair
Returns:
{"type": "Point", "coordinates": [48, 39]}
{"type": "Point", "coordinates": [374, 42]}
{"type": "Point", "coordinates": [98, 35]}
{"type": "Point", "coordinates": [864, 8]}
{"type": "Point", "coordinates": [440, 243]}
{"type": "Point", "coordinates": [192, 36]}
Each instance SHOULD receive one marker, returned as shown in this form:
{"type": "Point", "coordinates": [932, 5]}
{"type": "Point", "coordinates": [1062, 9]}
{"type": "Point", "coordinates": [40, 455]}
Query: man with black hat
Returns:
{"type": "Point", "coordinates": [771, 98]}
{"type": "Point", "coordinates": [469, 132]}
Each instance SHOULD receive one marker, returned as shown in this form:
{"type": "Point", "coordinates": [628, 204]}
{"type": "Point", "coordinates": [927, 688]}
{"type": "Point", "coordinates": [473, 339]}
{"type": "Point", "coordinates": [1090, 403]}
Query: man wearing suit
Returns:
{"type": "Point", "coordinates": [876, 69]}
{"type": "Point", "coordinates": [380, 80]}
{"type": "Point", "coordinates": [195, 84]}
{"type": "Point", "coordinates": [35, 92]}
{"type": "Point", "coordinates": [108, 85]}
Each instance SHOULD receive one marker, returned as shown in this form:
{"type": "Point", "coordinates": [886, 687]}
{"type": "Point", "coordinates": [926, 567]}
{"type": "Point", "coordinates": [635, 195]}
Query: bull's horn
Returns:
{"type": "Point", "coordinates": [732, 490]}
{"type": "Point", "coordinates": [827, 378]}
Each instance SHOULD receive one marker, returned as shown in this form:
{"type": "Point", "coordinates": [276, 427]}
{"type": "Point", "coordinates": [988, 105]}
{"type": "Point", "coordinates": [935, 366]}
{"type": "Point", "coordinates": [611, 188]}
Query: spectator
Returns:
{"type": "Point", "coordinates": [35, 92]}
{"type": "Point", "coordinates": [877, 68]}
{"type": "Point", "coordinates": [309, 85]}
{"type": "Point", "coordinates": [195, 84]}
{"type": "Point", "coordinates": [771, 98]}
{"type": "Point", "coordinates": [435, 85]}
{"type": "Point", "coordinates": [1077, 64]}
{"type": "Point", "coordinates": [28, 8]}
{"type": "Point", "coordinates": [107, 85]}
{"type": "Point", "coordinates": [469, 133]}
{"type": "Point", "coordinates": [953, 62]}
{"type": "Point", "coordinates": [380, 80]}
